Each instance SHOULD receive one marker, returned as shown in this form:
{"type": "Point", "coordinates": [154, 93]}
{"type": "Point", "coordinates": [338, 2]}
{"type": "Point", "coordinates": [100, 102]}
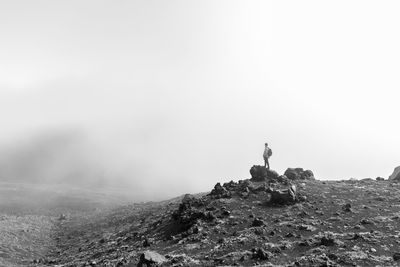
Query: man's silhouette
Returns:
{"type": "Point", "coordinates": [266, 155]}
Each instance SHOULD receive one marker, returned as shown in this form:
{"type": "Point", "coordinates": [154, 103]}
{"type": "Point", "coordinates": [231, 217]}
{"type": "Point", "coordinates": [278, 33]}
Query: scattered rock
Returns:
{"type": "Point", "coordinates": [146, 242]}
{"type": "Point", "coordinates": [151, 258]}
{"type": "Point", "coordinates": [220, 192]}
{"type": "Point", "coordinates": [306, 227]}
{"type": "Point", "coordinates": [238, 255]}
{"type": "Point", "coordinates": [283, 180]}
{"type": "Point", "coordinates": [182, 260]}
{"type": "Point", "coordinates": [366, 221]}
{"type": "Point", "coordinates": [352, 256]}
{"type": "Point", "coordinates": [257, 222]}
{"type": "Point", "coordinates": [301, 198]}
{"type": "Point", "coordinates": [347, 207]}
{"type": "Point", "coordinates": [328, 240]}
{"type": "Point", "coordinates": [396, 256]}
{"type": "Point", "coordinates": [190, 211]}
{"type": "Point", "coordinates": [315, 260]}
{"type": "Point", "coordinates": [299, 174]}
{"type": "Point", "coordinates": [283, 196]}
{"type": "Point", "coordinates": [261, 254]}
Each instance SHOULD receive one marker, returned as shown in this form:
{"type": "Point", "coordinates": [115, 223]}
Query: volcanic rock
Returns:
{"type": "Point", "coordinates": [258, 222]}
{"type": "Point", "coordinates": [181, 260]}
{"type": "Point", "coordinates": [151, 258]}
{"type": "Point", "coordinates": [366, 221]}
{"type": "Point", "coordinates": [220, 192]}
{"type": "Point", "coordinates": [328, 240]}
{"type": "Point", "coordinates": [261, 174]}
{"type": "Point", "coordinates": [190, 211]}
{"type": "Point", "coordinates": [261, 254]}
{"type": "Point", "coordinates": [299, 174]}
{"type": "Point", "coordinates": [146, 242]}
{"type": "Point", "coordinates": [306, 227]}
{"type": "Point", "coordinates": [395, 175]}
{"type": "Point", "coordinates": [283, 180]}
{"type": "Point", "coordinates": [283, 196]}
{"type": "Point", "coordinates": [347, 207]}
{"type": "Point", "coordinates": [396, 256]}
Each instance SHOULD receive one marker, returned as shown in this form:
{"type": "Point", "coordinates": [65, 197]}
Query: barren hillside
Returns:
{"type": "Point", "coordinates": [244, 223]}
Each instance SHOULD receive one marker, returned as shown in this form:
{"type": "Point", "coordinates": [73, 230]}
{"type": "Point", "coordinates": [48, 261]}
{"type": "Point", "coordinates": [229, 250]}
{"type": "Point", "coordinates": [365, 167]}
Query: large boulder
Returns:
{"type": "Point", "coordinates": [395, 175]}
{"type": "Point", "coordinates": [283, 196]}
{"type": "Point", "coordinates": [262, 174]}
{"type": "Point", "coordinates": [151, 258]}
{"type": "Point", "coordinates": [299, 174]}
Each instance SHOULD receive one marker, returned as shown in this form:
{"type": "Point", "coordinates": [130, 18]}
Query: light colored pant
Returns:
{"type": "Point", "coordinates": [266, 162]}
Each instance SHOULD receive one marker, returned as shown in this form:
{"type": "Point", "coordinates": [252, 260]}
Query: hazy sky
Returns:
{"type": "Point", "coordinates": [178, 95]}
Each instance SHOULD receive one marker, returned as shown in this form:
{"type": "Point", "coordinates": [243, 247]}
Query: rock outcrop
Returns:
{"type": "Point", "coordinates": [220, 191]}
{"type": "Point", "coordinates": [262, 174]}
{"type": "Point", "coordinates": [190, 211]}
{"type": "Point", "coordinates": [299, 174]}
{"type": "Point", "coordinates": [395, 175]}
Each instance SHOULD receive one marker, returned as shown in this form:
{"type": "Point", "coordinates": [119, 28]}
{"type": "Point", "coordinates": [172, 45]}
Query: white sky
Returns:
{"type": "Point", "coordinates": [192, 89]}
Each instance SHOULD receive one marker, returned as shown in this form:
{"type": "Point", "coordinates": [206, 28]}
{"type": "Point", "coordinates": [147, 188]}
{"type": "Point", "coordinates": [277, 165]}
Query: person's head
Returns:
{"type": "Point", "coordinates": [266, 144]}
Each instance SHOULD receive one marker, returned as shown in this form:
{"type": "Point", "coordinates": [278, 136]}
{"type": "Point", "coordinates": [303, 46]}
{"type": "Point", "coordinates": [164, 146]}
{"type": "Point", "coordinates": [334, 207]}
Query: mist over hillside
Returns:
{"type": "Point", "coordinates": [70, 159]}
{"type": "Point", "coordinates": [139, 168]}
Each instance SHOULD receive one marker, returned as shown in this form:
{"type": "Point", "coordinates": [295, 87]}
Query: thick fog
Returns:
{"type": "Point", "coordinates": [161, 98]}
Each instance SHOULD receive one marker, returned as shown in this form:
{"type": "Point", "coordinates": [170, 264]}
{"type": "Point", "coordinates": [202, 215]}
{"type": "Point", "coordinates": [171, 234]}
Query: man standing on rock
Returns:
{"type": "Point", "coordinates": [266, 155]}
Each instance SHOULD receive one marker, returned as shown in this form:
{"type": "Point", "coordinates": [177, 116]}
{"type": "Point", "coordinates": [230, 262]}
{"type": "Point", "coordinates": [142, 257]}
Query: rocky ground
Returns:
{"type": "Point", "coordinates": [24, 238]}
{"type": "Point", "coordinates": [269, 220]}
{"type": "Point", "coordinates": [30, 215]}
